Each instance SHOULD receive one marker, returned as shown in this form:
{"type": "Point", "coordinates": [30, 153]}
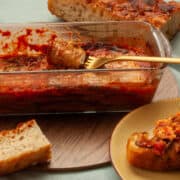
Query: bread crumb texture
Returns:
{"type": "Point", "coordinates": [23, 146]}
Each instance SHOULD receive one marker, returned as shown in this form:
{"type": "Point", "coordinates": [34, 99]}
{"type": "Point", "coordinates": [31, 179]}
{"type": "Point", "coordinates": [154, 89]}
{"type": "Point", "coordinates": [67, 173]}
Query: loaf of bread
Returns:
{"type": "Point", "coordinates": [161, 14]}
{"type": "Point", "coordinates": [22, 147]}
{"type": "Point", "coordinates": [162, 151]}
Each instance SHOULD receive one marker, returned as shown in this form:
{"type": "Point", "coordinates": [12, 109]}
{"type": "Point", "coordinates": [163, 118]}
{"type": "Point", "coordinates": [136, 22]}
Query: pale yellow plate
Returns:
{"type": "Point", "coordinates": [139, 120]}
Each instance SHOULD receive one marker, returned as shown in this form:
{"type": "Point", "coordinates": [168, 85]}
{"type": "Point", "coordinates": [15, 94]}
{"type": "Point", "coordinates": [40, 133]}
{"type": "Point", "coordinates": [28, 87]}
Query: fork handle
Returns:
{"type": "Point", "coordinates": [94, 63]}
{"type": "Point", "coordinates": [146, 59]}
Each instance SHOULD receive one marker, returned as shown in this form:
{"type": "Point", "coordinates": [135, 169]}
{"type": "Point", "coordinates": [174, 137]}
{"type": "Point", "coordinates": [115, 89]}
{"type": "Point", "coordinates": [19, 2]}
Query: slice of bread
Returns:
{"type": "Point", "coordinates": [163, 15]}
{"type": "Point", "coordinates": [162, 151]}
{"type": "Point", "coordinates": [22, 147]}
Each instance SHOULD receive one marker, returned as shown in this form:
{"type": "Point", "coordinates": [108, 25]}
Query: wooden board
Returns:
{"type": "Point", "coordinates": [168, 87]}
{"type": "Point", "coordinates": [82, 140]}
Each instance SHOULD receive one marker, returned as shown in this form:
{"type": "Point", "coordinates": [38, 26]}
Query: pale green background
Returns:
{"type": "Point", "coordinates": [12, 11]}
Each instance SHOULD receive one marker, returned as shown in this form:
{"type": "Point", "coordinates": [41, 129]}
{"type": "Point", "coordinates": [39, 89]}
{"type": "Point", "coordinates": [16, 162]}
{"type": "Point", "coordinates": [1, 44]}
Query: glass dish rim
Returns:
{"type": "Point", "coordinates": [77, 23]}
{"type": "Point", "coordinates": [82, 71]}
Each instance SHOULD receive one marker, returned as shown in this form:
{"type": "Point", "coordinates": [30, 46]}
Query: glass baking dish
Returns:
{"type": "Point", "coordinates": [80, 90]}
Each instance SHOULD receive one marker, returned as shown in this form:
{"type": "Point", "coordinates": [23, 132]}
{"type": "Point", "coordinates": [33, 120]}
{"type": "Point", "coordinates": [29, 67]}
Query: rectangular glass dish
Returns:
{"type": "Point", "coordinates": [107, 89]}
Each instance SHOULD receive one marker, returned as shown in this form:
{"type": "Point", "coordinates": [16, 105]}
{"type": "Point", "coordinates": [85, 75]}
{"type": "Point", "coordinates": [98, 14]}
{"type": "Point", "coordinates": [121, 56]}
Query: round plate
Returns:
{"type": "Point", "coordinates": [139, 120]}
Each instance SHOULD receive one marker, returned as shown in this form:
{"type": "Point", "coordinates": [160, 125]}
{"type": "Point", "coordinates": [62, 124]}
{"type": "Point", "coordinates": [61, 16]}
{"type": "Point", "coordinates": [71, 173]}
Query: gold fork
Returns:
{"type": "Point", "coordinates": [96, 62]}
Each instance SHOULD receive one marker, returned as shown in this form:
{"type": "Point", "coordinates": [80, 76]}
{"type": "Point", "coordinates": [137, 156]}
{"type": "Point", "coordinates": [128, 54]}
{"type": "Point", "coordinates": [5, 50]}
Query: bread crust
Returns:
{"type": "Point", "coordinates": [166, 16]}
{"type": "Point", "coordinates": [23, 161]}
{"type": "Point", "coordinates": [31, 156]}
{"type": "Point", "coordinates": [161, 152]}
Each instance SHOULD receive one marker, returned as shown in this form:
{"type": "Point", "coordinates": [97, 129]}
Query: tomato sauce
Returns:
{"type": "Point", "coordinates": [54, 92]}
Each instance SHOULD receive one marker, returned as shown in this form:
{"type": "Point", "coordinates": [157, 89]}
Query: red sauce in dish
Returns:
{"type": "Point", "coordinates": [69, 91]}
{"type": "Point", "coordinates": [21, 44]}
{"type": "Point", "coordinates": [5, 33]}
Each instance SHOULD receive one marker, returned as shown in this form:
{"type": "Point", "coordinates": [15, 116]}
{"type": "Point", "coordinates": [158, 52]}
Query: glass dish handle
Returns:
{"type": "Point", "coordinates": [164, 42]}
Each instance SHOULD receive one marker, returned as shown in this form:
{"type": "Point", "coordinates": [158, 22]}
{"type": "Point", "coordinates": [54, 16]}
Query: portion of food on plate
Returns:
{"type": "Point", "coordinates": [23, 146]}
{"type": "Point", "coordinates": [161, 14]}
{"type": "Point", "coordinates": [162, 151]}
